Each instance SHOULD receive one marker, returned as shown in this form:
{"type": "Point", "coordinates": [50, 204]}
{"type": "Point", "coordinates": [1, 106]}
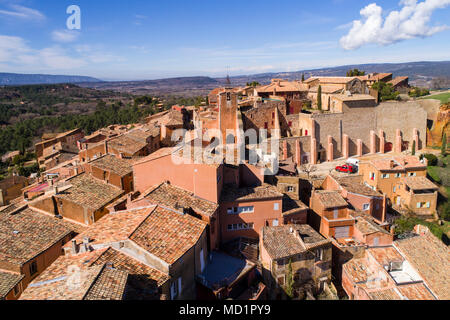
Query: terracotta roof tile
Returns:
{"type": "Point", "coordinates": [431, 258]}
{"type": "Point", "coordinates": [67, 278]}
{"type": "Point", "coordinates": [419, 183]}
{"type": "Point", "coordinates": [366, 225]}
{"type": "Point", "coordinates": [89, 192]}
{"type": "Point", "coordinates": [143, 281]}
{"type": "Point", "coordinates": [8, 280]}
{"type": "Point", "coordinates": [113, 164]}
{"type": "Point", "coordinates": [110, 284]}
{"type": "Point", "coordinates": [397, 80]}
{"type": "Point", "coordinates": [266, 191]}
{"type": "Point", "coordinates": [126, 144]}
{"type": "Point", "coordinates": [416, 291]}
{"type": "Point", "coordinates": [168, 234]}
{"type": "Point", "coordinates": [26, 233]}
{"type": "Point", "coordinates": [331, 199]}
{"type": "Point", "coordinates": [177, 199]}
{"type": "Point", "coordinates": [339, 80]}
{"type": "Point", "coordinates": [355, 184]}
{"type": "Point", "coordinates": [400, 163]}
{"type": "Point", "coordinates": [281, 243]}
{"type": "Point", "coordinates": [115, 226]}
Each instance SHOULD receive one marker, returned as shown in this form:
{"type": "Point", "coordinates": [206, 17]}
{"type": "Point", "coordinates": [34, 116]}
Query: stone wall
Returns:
{"type": "Point", "coordinates": [358, 122]}
{"type": "Point", "coordinates": [404, 116]}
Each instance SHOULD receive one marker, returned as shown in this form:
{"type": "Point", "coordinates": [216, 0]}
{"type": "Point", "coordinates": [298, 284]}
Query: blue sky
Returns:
{"type": "Point", "coordinates": [146, 39]}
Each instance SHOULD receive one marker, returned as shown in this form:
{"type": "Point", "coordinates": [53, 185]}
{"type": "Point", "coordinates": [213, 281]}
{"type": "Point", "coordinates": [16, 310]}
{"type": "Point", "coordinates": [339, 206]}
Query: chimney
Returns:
{"type": "Point", "coordinates": [50, 182]}
{"type": "Point", "coordinates": [392, 230]}
{"type": "Point", "coordinates": [76, 171]}
{"type": "Point", "coordinates": [392, 164]}
{"type": "Point", "coordinates": [74, 247]}
{"type": "Point", "coordinates": [55, 189]}
{"type": "Point", "coordinates": [129, 198]}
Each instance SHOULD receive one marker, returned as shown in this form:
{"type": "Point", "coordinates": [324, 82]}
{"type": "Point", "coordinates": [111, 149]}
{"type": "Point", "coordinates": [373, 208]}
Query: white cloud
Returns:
{"type": "Point", "coordinates": [17, 56]}
{"type": "Point", "coordinates": [21, 12]}
{"type": "Point", "coordinates": [65, 35]}
{"type": "Point", "coordinates": [11, 48]}
{"type": "Point", "coordinates": [412, 21]}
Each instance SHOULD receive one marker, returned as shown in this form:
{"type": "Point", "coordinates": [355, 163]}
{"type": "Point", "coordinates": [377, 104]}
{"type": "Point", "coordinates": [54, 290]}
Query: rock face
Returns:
{"type": "Point", "coordinates": [441, 125]}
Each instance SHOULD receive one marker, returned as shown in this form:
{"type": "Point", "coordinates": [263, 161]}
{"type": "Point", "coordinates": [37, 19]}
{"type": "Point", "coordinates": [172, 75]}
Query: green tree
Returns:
{"type": "Point", "coordinates": [303, 77]}
{"type": "Point", "coordinates": [386, 91]}
{"type": "Point", "coordinates": [444, 145]}
{"type": "Point", "coordinates": [355, 73]}
{"type": "Point", "coordinates": [253, 84]}
{"type": "Point", "coordinates": [319, 98]}
{"type": "Point", "coordinates": [413, 152]}
{"type": "Point", "coordinates": [290, 281]}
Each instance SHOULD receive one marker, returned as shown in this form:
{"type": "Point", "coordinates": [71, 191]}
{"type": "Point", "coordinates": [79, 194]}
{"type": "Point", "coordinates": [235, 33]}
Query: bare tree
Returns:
{"type": "Point", "coordinates": [308, 169]}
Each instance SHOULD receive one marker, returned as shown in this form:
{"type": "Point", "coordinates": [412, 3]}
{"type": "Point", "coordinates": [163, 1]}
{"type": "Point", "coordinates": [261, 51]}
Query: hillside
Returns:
{"type": "Point", "coordinates": [11, 79]}
{"type": "Point", "coordinates": [414, 70]}
{"type": "Point", "coordinates": [28, 111]}
{"type": "Point", "coordinates": [182, 86]}
{"type": "Point", "coordinates": [420, 73]}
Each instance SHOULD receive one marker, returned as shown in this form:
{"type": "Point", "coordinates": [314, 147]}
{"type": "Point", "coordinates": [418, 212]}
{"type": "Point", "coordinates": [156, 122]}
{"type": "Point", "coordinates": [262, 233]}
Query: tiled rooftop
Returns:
{"type": "Point", "coordinates": [400, 163]}
{"type": "Point", "coordinates": [266, 191]}
{"type": "Point", "coordinates": [431, 258]}
{"type": "Point", "coordinates": [283, 86]}
{"type": "Point", "coordinates": [25, 234]}
{"type": "Point", "coordinates": [162, 232]}
{"type": "Point", "coordinates": [384, 256]}
{"type": "Point", "coordinates": [115, 226]}
{"type": "Point", "coordinates": [126, 144]}
{"type": "Point", "coordinates": [110, 163]}
{"type": "Point", "coordinates": [419, 183]}
{"type": "Point", "coordinates": [168, 234]}
{"type": "Point", "coordinates": [143, 281]}
{"type": "Point", "coordinates": [331, 199]}
{"type": "Point", "coordinates": [291, 206]}
{"type": "Point", "coordinates": [364, 273]}
{"type": "Point", "coordinates": [337, 80]}
{"type": "Point", "coordinates": [170, 118]}
{"type": "Point", "coordinates": [355, 184]}
{"type": "Point", "coordinates": [89, 192]}
{"type": "Point", "coordinates": [68, 278]}
{"type": "Point", "coordinates": [397, 80]}
{"type": "Point", "coordinates": [281, 243]}
{"type": "Point", "coordinates": [366, 225]}
{"type": "Point", "coordinates": [177, 199]}
{"type": "Point", "coordinates": [8, 280]}
{"type": "Point", "coordinates": [416, 291]}
{"type": "Point", "coordinates": [110, 284]}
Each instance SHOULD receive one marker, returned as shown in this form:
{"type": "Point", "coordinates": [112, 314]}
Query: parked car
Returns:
{"type": "Point", "coordinates": [348, 168]}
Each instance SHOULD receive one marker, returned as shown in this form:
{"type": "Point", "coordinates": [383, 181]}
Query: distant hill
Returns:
{"type": "Point", "coordinates": [183, 86]}
{"type": "Point", "coordinates": [420, 73]}
{"type": "Point", "coordinates": [425, 70]}
{"type": "Point", "coordinates": [11, 79]}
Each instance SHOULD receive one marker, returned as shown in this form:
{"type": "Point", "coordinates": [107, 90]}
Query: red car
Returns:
{"type": "Point", "coordinates": [346, 168]}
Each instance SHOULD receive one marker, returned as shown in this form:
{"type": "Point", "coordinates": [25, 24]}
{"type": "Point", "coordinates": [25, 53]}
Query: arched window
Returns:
{"type": "Point", "coordinates": [230, 139]}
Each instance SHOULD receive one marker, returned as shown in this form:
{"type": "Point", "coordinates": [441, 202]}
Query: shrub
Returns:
{"type": "Point", "coordinates": [432, 159]}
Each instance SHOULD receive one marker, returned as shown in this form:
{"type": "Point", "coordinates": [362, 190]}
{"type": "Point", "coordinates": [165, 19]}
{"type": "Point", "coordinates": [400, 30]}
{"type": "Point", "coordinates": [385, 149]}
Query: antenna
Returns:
{"type": "Point", "coordinates": [228, 76]}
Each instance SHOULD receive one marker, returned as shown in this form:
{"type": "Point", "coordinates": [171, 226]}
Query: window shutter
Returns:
{"type": "Point", "coordinates": [179, 285]}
